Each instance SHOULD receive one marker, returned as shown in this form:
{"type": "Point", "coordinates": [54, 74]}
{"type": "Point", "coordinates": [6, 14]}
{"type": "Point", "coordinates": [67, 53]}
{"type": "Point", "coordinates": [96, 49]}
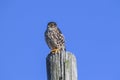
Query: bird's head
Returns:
{"type": "Point", "coordinates": [52, 25]}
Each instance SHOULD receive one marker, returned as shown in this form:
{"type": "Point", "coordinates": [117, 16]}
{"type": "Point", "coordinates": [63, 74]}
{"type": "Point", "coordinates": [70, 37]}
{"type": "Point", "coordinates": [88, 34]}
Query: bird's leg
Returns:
{"type": "Point", "coordinates": [55, 50]}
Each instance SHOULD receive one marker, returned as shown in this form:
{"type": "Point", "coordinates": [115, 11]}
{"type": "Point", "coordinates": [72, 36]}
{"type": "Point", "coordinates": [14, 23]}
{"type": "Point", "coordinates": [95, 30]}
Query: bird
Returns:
{"type": "Point", "coordinates": [54, 38]}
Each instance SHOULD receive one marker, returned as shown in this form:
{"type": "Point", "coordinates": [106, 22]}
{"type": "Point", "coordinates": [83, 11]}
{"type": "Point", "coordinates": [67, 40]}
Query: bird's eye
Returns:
{"type": "Point", "coordinates": [52, 25]}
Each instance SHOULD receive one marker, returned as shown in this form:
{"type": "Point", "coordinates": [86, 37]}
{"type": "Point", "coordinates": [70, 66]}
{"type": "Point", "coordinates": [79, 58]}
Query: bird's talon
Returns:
{"type": "Point", "coordinates": [54, 50]}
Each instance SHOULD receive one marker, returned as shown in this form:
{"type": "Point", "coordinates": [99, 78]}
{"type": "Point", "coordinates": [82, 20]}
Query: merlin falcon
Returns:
{"type": "Point", "coordinates": [54, 38]}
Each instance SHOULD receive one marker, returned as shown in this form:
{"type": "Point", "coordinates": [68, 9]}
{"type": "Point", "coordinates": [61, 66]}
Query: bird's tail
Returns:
{"type": "Point", "coordinates": [63, 49]}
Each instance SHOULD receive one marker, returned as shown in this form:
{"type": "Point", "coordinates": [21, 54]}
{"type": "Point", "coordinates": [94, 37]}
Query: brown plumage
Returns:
{"type": "Point", "coordinates": [54, 38]}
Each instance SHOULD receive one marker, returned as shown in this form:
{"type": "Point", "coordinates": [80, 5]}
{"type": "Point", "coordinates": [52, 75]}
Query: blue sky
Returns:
{"type": "Point", "coordinates": [91, 29]}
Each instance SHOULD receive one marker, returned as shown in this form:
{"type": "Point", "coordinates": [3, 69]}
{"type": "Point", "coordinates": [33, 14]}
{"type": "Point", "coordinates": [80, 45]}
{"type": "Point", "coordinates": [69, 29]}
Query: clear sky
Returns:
{"type": "Point", "coordinates": [91, 29]}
